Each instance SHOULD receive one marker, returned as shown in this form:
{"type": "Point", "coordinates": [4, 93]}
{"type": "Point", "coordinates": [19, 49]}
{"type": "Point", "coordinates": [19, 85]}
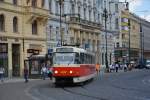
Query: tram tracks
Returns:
{"type": "Point", "coordinates": [83, 94]}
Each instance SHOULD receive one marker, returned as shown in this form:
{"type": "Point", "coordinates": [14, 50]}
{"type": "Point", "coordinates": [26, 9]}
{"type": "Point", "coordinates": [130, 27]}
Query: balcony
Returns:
{"type": "Point", "coordinates": [36, 13]}
{"type": "Point", "coordinates": [90, 24]}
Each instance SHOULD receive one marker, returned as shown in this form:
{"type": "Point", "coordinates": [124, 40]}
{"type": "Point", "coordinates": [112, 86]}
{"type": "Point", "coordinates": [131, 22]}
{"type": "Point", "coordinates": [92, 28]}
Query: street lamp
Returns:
{"type": "Point", "coordinates": [105, 15]}
{"type": "Point", "coordinates": [61, 35]}
{"type": "Point", "coordinates": [129, 25]}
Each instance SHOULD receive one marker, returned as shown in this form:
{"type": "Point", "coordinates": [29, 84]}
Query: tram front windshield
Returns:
{"type": "Point", "coordinates": [64, 58]}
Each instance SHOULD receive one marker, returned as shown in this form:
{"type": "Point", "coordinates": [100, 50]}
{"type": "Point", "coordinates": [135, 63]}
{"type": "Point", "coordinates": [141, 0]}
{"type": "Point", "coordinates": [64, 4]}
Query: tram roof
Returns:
{"type": "Point", "coordinates": [75, 49]}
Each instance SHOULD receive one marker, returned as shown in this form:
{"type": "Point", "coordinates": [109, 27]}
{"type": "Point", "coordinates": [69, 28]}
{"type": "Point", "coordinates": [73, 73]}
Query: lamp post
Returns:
{"type": "Point", "coordinates": [61, 35]}
{"type": "Point", "coordinates": [105, 15]}
{"type": "Point", "coordinates": [129, 25]}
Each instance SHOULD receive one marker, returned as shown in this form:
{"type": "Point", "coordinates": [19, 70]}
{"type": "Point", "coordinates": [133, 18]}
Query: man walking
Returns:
{"type": "Point", "coordinates": [26, 72]}
{"type": "Point", "coordinates": [116, 67]}
{"type": "Point", "coordinates": [44, 72]}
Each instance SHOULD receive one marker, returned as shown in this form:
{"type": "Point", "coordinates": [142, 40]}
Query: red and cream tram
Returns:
{"type": "Point", "coordinates": [71, 64]}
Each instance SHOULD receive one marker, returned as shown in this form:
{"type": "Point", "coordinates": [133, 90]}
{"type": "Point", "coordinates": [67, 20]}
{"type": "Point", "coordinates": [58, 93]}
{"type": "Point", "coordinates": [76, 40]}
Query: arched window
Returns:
{"type": "Point", "coordinates": [15, 24]}
{"type": "Point", "coordinates": [34, 3]}
{"type": "Point", "coordinates": [2, 23]}
{"type": "Point", "coordinates": [15, 2]}
{"type": "Point", "coordinates": [34, 27]}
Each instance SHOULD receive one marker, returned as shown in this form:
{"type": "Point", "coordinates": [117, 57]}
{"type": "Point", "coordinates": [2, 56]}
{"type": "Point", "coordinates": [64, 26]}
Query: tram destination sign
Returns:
{"type": "Point", "coordinates": [64, 50]}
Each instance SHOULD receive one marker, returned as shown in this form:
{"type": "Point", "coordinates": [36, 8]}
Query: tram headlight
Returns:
{"type": "Point", "coordinates": [71, 72]}
{"type": "Point", "coordinates": [56, 72]}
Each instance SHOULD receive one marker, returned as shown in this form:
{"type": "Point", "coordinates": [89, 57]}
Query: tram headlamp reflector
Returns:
{"type": "Point", "coordinates": [71, 72]}
{"type": "Point", "coordinates": [56, 72]}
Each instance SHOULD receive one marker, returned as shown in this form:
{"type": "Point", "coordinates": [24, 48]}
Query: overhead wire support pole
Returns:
{"type": "Point", "coordinates": [129, 54]}
{"type": "Point", "coordinates": [105, 15]}
{"type": "Point", "coordinates": [61, 35]}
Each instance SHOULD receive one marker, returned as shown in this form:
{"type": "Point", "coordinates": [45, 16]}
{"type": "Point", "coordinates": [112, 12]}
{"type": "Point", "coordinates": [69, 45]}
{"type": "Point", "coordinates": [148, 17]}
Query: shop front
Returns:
{"type": "Point", "coordinates": [4, 57]}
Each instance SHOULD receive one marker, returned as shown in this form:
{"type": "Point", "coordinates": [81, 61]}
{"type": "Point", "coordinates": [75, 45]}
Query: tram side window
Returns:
{"type": "Point", "coordinates": [93, 59]}
{"type": "Point", "coordinates": [77, 60]}
{"type": "Point", "coordinates": [90, 59]}
{"type": "Point", "coordinates": [87, 59]}
{"type": "Point", "coordinates": [82, 58]}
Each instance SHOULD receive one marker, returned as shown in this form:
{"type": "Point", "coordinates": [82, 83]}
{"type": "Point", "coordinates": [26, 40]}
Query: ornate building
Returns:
{"type": "Point", "coordinates": [22, 27]}
{"type": "Point", "coordinates": [112, 29]}
{"type": "Point", "coordinates": [79, 24]}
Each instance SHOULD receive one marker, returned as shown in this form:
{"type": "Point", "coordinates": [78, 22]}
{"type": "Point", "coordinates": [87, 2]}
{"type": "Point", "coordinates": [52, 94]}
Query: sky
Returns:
{"type": "Point", "coordinates": [140, 7]}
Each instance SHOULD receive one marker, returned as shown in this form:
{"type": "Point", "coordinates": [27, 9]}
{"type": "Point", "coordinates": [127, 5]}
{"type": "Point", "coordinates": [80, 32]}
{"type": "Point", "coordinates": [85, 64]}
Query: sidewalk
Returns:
{"type": "Point", "coordinates": [16, 80]}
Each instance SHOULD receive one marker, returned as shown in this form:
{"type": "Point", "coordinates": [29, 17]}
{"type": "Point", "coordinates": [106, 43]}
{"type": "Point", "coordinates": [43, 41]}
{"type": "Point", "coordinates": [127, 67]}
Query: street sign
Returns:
{"type": "Point", "coordinates": [58, 44]}
{"type": "Point", "coordinates": [50, 51]}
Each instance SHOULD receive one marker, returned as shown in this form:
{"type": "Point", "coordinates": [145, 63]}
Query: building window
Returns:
{"type": "Point", "coordinates": [98, 18]}
{"type": "Point", "coordinates": [2, 23]}
{"type": "Point", "coordinates": [50, 32]}
{"type": "Point", "coordinates": [34, 3]}
{"type": "Point", "coordinates": [116, 7]}
{"type": "Point", "coordinates": [85, 13]}
{"type": "Point", "coordinates": [94, 16]}
{"type": "Point", "coordinates": [117, 44]}
{"type": "Point", "coordinates": [56, 7]}
{"type": "Point", "coordinates": [72, 40]}
{"type": "Point", "coordinates": [43, 3]}
{"type": "Point", "coordinates": [79, 10]}
{"type": "Point", "coordinates": [15, 24]}
{"type": "Point", "coordinates": [73, 9]}
{"type": "Point", "coordinates": [34, 27]}
{"type": "Point", "coordinates": [89, 15]}
{"type": "Point", "coordinates": [15, 2]}
{"type": "Point", "coordinates": [123, 36]}
{"type": "Point", "coordinates": [116, 24]}
{"type": "Point", "coordinates": [50, 6]}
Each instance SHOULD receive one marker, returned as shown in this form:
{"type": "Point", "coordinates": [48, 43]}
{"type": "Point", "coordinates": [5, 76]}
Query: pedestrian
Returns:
{"type": "Point", "coordinates": [97, 68]}
{"type": "Point", "coordinates": [125, 67]}
{"type": "Point", "coordinates": [2, 71]}
{"type": "Point", "coordinates": [50, 72]}
{"type": "Point", "coordinates": [111, 67]}
{"type": "Point", "coordinates": [116, 67]}
{"type": "Point", "coordinates": [44, 72]}
{"type": "Point", "coordinates": [26, 74]}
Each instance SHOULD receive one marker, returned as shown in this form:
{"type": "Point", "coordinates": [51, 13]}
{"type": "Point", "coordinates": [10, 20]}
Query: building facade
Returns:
{"type": "Point", "coordinates": [79, 24]}
{"type": "Point", "coordinates": [22, 27]}
{"type": "Point", "coordinates": [112, 30]}
{"type": "Point", "coordinates": [129, 38]}
{"type": "Point", "coordinates": [145, 38]}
